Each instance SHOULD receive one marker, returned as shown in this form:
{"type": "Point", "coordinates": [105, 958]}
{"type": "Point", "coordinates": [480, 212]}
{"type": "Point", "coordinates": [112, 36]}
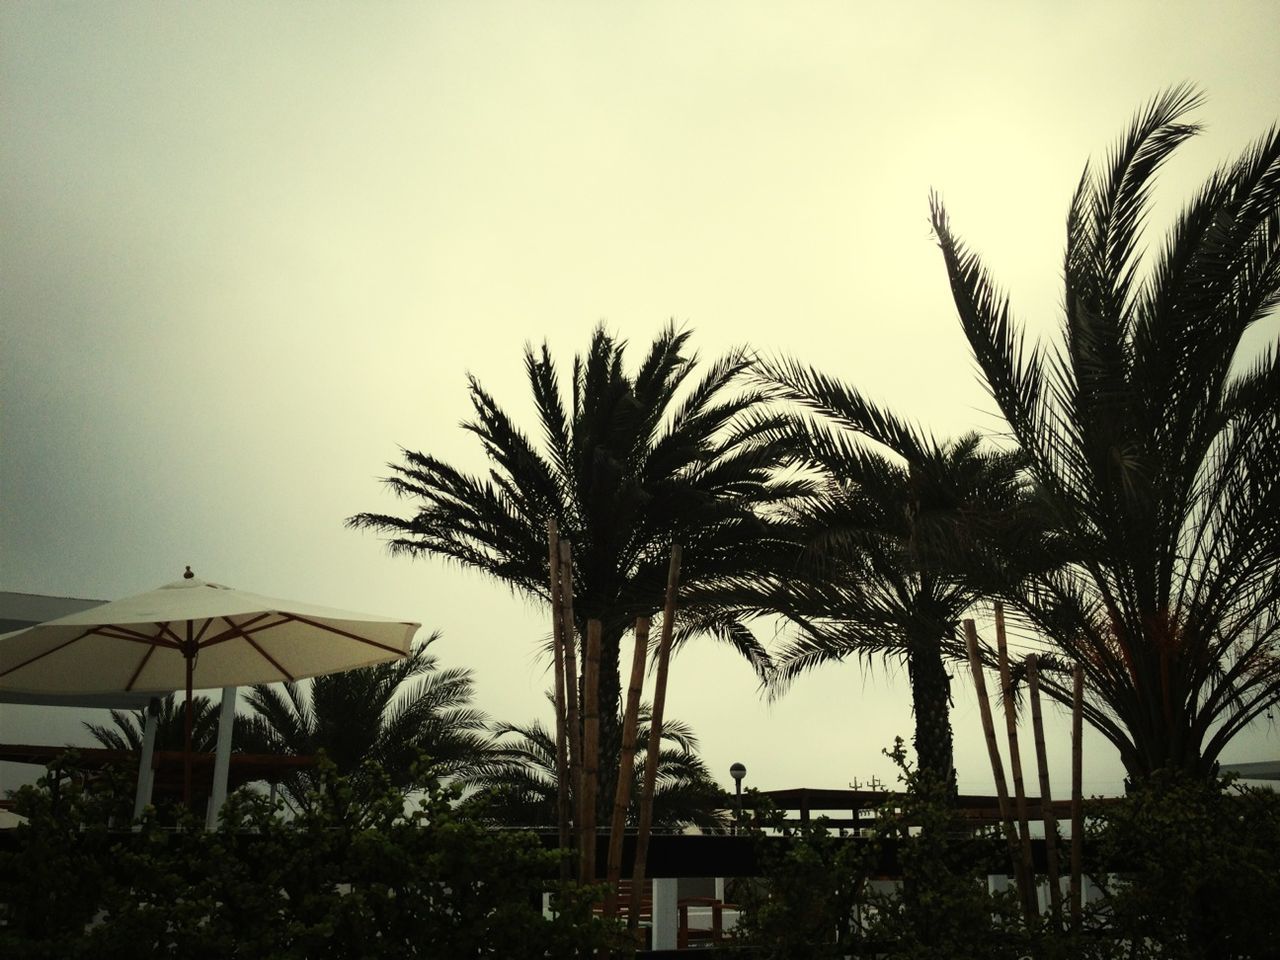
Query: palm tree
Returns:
{"type": "Point", "coordinates": [900, 541]}
{"type": "Point", "coordinates": [635, 464]}
{"type": "Point", "coordinates": [517, 785]}
{"type": "Point", "coordinates": [1154, 441]}
{"type": "Point", "coordinates": [170, 727]}
{"type": "Point", "coordinates": [390, 713]}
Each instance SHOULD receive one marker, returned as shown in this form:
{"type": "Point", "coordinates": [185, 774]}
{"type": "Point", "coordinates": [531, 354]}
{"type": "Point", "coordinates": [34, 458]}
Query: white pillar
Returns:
{"type": "Point", "coordinates": [666, 913]}
{"type": "Point", "coordinates": [146, 775]}
{"type": "Point", "coordinates": [1090, 891]}
{"type": "Point", "coordinates": [222, 758]}
{"type": "Point", "coordinates": [720, 889]}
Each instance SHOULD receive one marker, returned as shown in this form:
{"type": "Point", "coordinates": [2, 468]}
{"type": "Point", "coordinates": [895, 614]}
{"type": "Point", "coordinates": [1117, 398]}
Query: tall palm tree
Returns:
{"type": "Point", "coordinates": [634, 464]}
{"type": "Point", "coordinates": [1154, 442]}
{"type": "Point", "coordinates": [390, 713]}
{"type": "Point", "coordinates": [126, 734]}
{"type": "Point", "coordinates": [517, 785]}
{"type": "Point", "coordinates": [905, 535]}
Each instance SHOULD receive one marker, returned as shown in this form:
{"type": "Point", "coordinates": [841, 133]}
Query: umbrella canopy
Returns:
{"type": "Point", "coordinates": [191, 632]}
{"type": "Point", "coordinates": [233, 638]}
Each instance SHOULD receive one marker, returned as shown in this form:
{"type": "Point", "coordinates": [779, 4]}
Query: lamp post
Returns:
{"type": "Point", "coordinates": [738, 771]}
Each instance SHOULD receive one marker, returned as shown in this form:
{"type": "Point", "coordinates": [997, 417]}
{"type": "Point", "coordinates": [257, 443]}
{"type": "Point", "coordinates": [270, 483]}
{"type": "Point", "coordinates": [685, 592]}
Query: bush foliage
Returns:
{"type": "Point", "coordinates": [362, 873]}
{"type": "Point", "coordinates": [1187, 869]}
{"type": "Point", "coordinates": [1184, 868]}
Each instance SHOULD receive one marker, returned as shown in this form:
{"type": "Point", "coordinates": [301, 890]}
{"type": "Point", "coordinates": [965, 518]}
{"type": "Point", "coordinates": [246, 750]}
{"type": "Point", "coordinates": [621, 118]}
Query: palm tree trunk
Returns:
{"type": "Point", "coordinates": [571, 672]}
{"type": "Point", "coordinates": [1077, 793]}
{"type": "Point", "coordinates": [590, 752]}
{"type": "Point", "coordinates": [610, 715]}
{"type": "Point", "coordinates": [931, 702]}
{"type": "Point", "coordinates": [562, 733]}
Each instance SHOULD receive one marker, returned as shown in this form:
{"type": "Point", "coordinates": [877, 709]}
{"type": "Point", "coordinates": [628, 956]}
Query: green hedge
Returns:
{"type": "Point", "coordinates": [365, 874]}
{"type": "Point", "coordinates": [1187, 871]}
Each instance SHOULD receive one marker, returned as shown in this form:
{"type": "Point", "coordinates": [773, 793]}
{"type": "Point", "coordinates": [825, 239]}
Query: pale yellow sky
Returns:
{"type": "Point", "coordinates": [250, 249]}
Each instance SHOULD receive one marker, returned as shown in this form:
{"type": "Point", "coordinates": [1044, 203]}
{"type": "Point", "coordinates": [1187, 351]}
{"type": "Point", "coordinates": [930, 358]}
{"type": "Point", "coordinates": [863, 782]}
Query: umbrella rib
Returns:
{"type": "Point", "coordinates": [343, 633]}
{"type": "Point", "coordinates": [114, 633]}
{"type": "Point", "coordinates": [203, 630]}
{"type": "Point", "coordinates": [45, 653]}
{"type": "Point", "coordinates": [151, 648]}
{"type": "Point", "coordinates": [236, 631]}
{"type": "Point", "coordinates": [270, 659]}
{"type": "Point", "coordinates": [120, 632]}
{"type": "Point", "coordinates": [252, 625]}
{"type": "Point", "coordinates": [255, 625]}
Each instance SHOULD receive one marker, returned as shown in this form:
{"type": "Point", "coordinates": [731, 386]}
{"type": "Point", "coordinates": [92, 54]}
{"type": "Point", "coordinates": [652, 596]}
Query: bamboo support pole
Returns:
{"type": "Point", "coordinates": [1046, 798]}
{"type": "Point", "coordinates": [562, 734]}
{"type": "Point", "coordinates": [993, 752]}
{"type": "Point", "coordinates": [590, 752]}
{"type": "Point", "coordinates": [570, 674]}
{"type": "Point", "coordinates": [1077, 793]}
{"type": "Point", "coordinates": [626, 762]}
{"type": "Point", "coordinates": [655, 739]}
{"type": "Point", "coordinates": [1015, 765]}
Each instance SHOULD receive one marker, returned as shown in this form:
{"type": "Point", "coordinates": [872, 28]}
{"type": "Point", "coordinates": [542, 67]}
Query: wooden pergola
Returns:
{"type": "Point", "coordinates": [168, 766]}
{"type": "Point", "coordinates": [842, 807]}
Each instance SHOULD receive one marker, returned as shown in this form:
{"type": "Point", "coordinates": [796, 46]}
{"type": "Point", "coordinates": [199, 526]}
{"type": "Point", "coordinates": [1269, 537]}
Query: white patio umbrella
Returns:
{"type": "Point", "coordinates": [191, 633]}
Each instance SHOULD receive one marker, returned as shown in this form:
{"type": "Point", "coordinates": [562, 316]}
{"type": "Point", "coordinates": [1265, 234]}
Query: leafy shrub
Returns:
{"type": "Point", "coordinates": [943, 908]}
{"type": "Point", "coordinates": [805, 906]}
{"type": "Point", "coordinates": [816, 900]}
{"type": "Point", "coordinates": [361, 873]}
{"type": "Point", "coordinates": [1187, 868]}
{"type": "Point", "coordinates": [53, 880]}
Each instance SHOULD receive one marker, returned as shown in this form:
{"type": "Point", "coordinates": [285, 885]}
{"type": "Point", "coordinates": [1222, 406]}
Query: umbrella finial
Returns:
{"type": "Point", "coordinates": [188, 575]}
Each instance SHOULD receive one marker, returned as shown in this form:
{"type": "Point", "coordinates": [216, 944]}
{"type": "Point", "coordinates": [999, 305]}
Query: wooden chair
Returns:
{"type": "Point", "coordinates": [686, 935]}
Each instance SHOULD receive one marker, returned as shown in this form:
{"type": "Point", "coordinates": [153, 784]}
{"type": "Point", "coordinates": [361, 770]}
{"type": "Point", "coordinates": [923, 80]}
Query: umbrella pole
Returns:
{"type": "Point", "coordinates": [186, 754]}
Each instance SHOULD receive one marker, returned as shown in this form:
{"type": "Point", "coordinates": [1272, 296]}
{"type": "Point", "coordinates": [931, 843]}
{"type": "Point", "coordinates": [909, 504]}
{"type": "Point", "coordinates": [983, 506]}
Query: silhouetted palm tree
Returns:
{"type": "Point", "coordinates": [517, 785]}
{"type": "Point", "coordinates": [906, 534]}
{"type": "Point", "coordinates": [389, 713]}
{"type": "Point", "coordinates": [634, 464]}
{"type": "Point", "coordinates": [170, 726]}
{"type": "Point", "coordinates": [1154, 441]}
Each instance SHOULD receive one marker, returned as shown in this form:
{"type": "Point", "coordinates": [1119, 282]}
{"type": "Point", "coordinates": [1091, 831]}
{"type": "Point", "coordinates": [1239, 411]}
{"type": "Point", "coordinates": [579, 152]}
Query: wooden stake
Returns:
{"type": "Point", "coordinates": [1046, 799]}
{"type": "Point", "coordinates": [570, 674]}
{"type": "Point", "coordinates": [590, 752]}
{"type": "Point", "coordinates": [1077, 796]}
{"type": "Point", "coordinates": [562, 735]}
{"type": "Point", "coordinates": [622, 796]}
{"type": "Point", "coordinates": [1015, 765]}
{"type": "Point", "coordinates": [993, 751]}
{"type": "Point", "coordinates": [655, 740]}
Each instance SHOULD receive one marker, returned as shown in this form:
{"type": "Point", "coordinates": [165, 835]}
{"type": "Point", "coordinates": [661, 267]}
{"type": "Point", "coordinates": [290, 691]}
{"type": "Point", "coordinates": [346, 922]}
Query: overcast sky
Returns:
{"type": "Point", "coordinates": [249, 250]}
